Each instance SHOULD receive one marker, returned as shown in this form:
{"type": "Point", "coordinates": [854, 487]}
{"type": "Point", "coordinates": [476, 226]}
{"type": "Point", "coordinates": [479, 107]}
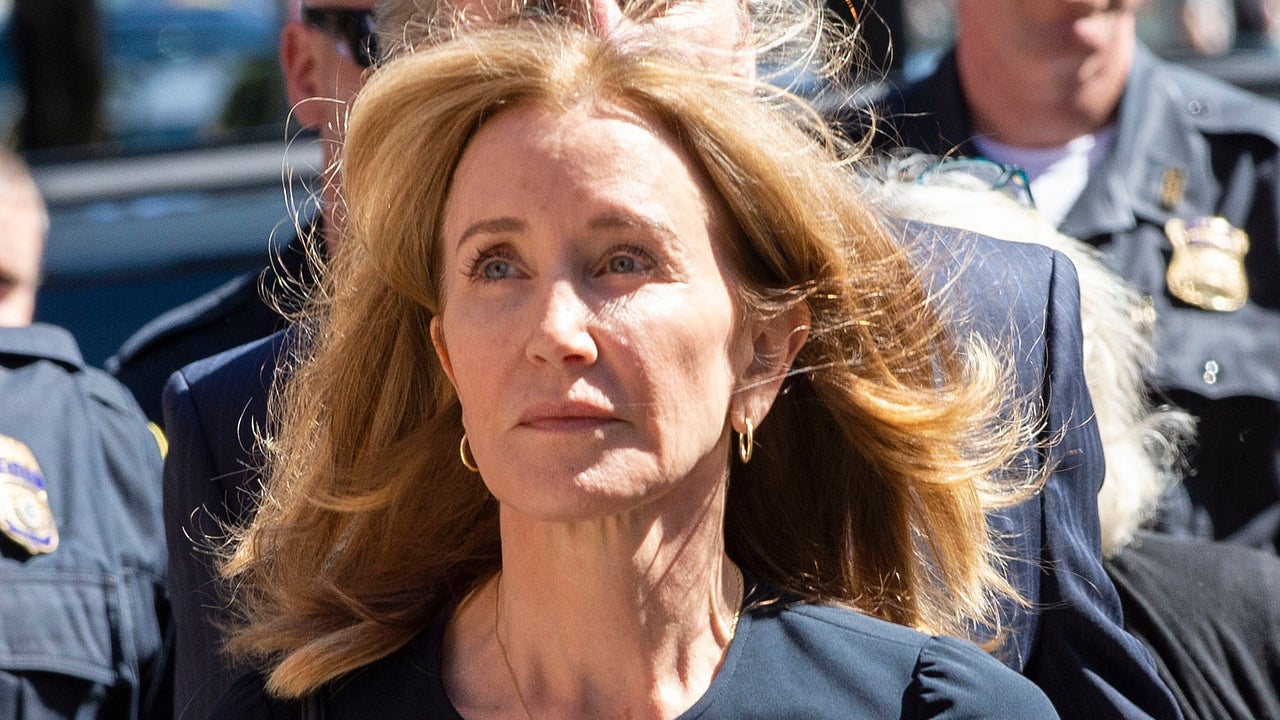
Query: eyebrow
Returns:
{"type": "Point", "coordinates": [606, 221]}
{"type": "Point", "coordinates": [612, 221]}
{"type": "Point", "coordinates": [493, 226]}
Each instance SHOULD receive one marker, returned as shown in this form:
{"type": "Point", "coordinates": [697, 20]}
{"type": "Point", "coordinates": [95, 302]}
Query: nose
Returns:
{"type": "Point", "coordinates": [562, 335]}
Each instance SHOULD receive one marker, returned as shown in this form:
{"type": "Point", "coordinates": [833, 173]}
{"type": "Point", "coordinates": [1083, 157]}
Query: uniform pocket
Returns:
{"type": "Point", "coordinates": [57, 621]}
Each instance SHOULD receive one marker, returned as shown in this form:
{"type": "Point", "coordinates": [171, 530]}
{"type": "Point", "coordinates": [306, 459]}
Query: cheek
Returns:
{"type": "Point", "coordinates": [687, 358]}
{"type": "Point", "coordinates": [473, 348]}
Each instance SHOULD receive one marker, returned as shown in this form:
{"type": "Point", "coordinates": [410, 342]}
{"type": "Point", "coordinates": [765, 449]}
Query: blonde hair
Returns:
{"type": "Point", "coordinates": [794, 44]}
{"type": "Point", "coordinates": [872, 474]}
{"type": "Point", "coordinates": [1142, 443]}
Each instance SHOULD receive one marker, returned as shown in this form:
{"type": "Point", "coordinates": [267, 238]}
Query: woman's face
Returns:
{"type": "Point", "coordinates": [588, 325]}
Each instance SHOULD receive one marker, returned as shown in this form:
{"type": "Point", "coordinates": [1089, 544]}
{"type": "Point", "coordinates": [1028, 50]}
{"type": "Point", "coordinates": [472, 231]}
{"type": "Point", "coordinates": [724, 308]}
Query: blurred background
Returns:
{"type": "Point", "coordinates": [158, 131]}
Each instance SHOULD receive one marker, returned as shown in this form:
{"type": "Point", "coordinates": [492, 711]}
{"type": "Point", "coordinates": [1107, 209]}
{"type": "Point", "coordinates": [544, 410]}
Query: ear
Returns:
{"type": "Point", "coordinates": [442, 351]}
{"type": "Point", "coordinates": [300, 60]}
{"type": "Point", "coordinates": [775, 342]}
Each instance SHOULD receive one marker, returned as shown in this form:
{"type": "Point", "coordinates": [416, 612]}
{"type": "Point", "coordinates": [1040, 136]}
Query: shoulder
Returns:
{"type": "Point", "coordinates": [222, 401]}
{"type": "Point", "coordinates": [257, 355]}
{"type": "Point", "coordinates": [209, 308]}
{"type": "Point", "coordinates": [229, 316]}
{"type": "Point", "coordinates": [248, 369]}
{"type": "Point", "coordinates": [956, 679]}
{"type": "Point", "coordinates": [245, 308]}
{"type": "Point", "coordinates": [247, 699]}
{"type": "Point", "coordinates": [1209, 104]}
{"type": "Point", "coordinates": [999, 287]}
{"type": "Point", "coordinates": [1192, 570]}
{"type": "Point", "coordinates": [64, 367]}
{"type": "Point", "coordinates": [1206, 610]}
{"type": "Point", "coordinates": [914, 674]}
{"type": "Point", "coordinates": [947, 250]}
{"type": "Point", "coordinates": [837, 627]}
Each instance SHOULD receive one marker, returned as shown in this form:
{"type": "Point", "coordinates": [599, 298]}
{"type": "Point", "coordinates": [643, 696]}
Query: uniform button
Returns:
{"type": "Point", "coordinates": [1195, 107]}
{"type": "Point", "coordinates": [1210, 372]}
{"type": "Point", "coordinates": [1143, 314]}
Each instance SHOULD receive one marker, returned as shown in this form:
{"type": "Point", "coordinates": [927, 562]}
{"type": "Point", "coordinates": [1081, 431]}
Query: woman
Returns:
{"type": "Point", "coordinates": [525, 469]}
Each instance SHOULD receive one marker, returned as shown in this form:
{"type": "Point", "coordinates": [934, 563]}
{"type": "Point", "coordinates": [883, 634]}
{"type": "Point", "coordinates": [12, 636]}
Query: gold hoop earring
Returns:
{"type": "Point", "coordinates": [747, 441]}
{"type": "Point", "coordinates": [464, 451]}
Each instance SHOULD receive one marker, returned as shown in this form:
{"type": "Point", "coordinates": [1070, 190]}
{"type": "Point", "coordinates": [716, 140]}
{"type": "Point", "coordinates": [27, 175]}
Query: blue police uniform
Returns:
{"type": "Point", "coordinates": [1020, 297]}
{"type": "Point", "coordinates": [1186, 148]}
{"type": "Point", "coordinates": [241, 310]}
{"type": "Point", "coordinates": [84, 629]}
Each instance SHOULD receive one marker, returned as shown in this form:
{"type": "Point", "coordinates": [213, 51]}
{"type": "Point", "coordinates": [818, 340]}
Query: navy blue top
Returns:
{"type": "Point", "coordinates": [793, 661]}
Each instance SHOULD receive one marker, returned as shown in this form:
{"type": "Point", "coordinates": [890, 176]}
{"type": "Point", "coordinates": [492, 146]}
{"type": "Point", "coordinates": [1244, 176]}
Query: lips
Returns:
{"type": "Point", "coordinates": [566, 417]}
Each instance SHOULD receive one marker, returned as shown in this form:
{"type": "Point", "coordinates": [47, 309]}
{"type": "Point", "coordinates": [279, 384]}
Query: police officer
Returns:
{"type": "Point", "coordinates": [83, 611]}
{"type": "Point", "coordinates": [1175, 177]}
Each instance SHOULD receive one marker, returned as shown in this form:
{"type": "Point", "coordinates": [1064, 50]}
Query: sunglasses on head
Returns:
{"type": "Point", "coordinates": [976, 173]}
{"type": "Point", "coordinates": [353, 27]}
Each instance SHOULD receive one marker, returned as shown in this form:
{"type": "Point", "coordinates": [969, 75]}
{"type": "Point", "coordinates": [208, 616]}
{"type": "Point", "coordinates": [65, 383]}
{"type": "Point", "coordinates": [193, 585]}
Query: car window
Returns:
{"type": "Point", "coordinates": [156, 130]}
{"type": "Point", "coordinates": [94, 78]}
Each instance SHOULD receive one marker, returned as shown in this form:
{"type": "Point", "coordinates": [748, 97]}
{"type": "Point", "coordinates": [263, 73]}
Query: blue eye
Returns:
{"type": "Point", "coordinates": [496, 269]}
{"type": "Point", "coordinates": [623, 264]}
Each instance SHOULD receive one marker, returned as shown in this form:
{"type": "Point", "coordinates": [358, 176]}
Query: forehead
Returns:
{"type": "Point", "coordinates": [599, 141]}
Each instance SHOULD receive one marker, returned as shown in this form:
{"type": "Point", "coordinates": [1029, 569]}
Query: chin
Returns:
{"type": "Point", "coordinates": [579, 494]}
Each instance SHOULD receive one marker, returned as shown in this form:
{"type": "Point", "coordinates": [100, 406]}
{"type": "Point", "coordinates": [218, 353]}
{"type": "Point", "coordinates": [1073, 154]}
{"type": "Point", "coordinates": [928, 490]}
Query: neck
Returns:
{"type": "Point", "coordinates": [627, 616]}
{"type": "Point", "coordinates": [1058, 82]}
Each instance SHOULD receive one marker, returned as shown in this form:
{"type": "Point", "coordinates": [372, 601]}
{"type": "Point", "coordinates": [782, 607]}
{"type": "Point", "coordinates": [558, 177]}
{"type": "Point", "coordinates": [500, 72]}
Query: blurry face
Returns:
{"type": "Point", "coordinates": [1049, 27]}
{"type": "Point", "coordinates": [588, 323]}
{"type": "Point", "coordinates": [21, 241]}
{"type": "Point", "coordinates": [339, 75]}
{"type": "Point", "coordinates": [714, 32]}
{"type": "Point", "coordinates": [321, 74]}
{"type": "Point", "coordinates": [322, 77]}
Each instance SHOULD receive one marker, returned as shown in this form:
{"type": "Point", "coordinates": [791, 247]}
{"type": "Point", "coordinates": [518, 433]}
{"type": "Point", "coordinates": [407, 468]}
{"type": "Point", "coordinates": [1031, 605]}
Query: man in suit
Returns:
{"type": "Point", "coordinates": [1023, 298]}
{"type": "Point", "coordinates": [324, 51]}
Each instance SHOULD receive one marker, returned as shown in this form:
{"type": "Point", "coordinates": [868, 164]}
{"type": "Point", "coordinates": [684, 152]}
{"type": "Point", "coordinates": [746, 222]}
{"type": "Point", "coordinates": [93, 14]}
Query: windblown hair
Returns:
{"type": "Point", "coordinates": [795, 44]}
{"type": "Point", "coordinates": [1142, 443]}
{"type": "Point", "coordinates": [871, 474]}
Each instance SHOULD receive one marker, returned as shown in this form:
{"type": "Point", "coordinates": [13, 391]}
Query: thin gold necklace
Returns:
{"type": "Point", "coordinates": [502, 648]}
{"type": "Point", "coordinates": [511, 673]}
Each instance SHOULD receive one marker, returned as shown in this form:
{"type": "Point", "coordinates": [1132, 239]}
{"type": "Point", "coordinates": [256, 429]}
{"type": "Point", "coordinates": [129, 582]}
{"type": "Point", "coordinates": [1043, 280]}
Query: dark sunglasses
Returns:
{"type": "Point", "coordinates": [354, 27]}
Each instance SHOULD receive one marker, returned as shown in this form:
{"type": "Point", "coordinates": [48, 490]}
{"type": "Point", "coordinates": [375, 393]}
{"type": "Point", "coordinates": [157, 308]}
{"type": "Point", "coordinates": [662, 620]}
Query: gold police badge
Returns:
{"type": "Point", "coordinates": [25, 517]}
{"type": "Point", "coordinates": [1207, 267]}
